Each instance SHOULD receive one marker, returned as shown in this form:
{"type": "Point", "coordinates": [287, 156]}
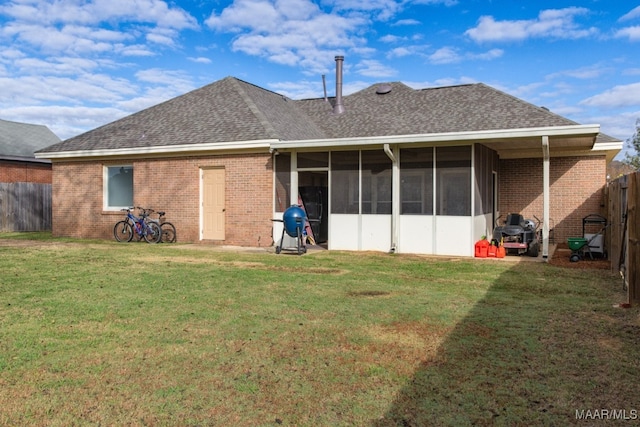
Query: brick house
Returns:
{"type": "Point", "coordinates": [389, 167]}
{"type": "Point", "coordinates": [25, 181]}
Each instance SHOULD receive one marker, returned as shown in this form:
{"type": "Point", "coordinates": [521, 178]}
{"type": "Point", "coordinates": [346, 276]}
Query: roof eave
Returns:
{"type": "Point", "coordinates": [160, 150]}
{"type": "Point", "coordinates": [24, 159]}
{"type": "Point", "coordinates": [610, 148]}
{"type": "Point", "coordinates": [470, 136]}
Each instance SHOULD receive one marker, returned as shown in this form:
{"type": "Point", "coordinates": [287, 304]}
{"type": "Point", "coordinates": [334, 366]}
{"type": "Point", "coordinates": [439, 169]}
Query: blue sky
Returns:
{"type": "Point", "coordinates": [74, 65]}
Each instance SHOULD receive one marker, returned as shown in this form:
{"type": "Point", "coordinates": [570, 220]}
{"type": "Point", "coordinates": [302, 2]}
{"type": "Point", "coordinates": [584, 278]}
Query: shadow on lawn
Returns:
{"type": "Point", "coordinates": [527, 354]}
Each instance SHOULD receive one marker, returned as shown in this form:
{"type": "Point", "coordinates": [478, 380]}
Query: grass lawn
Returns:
{"type": "Point", "coordinates": [101, 333]}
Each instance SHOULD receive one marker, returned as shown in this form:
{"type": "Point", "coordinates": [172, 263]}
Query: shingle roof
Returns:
{"type": "Point", "coordinates": [224, 111]}
{"type": "Point", "coordinates": [405, 111]}
{"type": "Point", "coordinates": [23, 139]}
{"type": "Point", "coordinates": [231, 110]}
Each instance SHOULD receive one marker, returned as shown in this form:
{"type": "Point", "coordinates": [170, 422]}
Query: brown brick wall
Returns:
{"type": "Point", "coordinates": [576, 190]}
{"type": "Point", "coordinates": [172, 185]}
{"type": "Point", "coordinates": [13, 171]}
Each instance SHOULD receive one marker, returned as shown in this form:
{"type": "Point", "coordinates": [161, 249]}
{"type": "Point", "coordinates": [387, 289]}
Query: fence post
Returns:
{"type": "Point", "coordinates": [633, 221]}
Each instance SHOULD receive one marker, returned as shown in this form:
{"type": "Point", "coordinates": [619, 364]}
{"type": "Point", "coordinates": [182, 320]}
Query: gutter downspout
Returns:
{"type": "Point", "coordinates": [545, 198]}
{"type": "Point", "coordinates": [395, 197]}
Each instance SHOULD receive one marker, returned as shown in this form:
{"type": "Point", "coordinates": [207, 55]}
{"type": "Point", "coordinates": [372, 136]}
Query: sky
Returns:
{"type": "Point", "coordinates": [74, 65]}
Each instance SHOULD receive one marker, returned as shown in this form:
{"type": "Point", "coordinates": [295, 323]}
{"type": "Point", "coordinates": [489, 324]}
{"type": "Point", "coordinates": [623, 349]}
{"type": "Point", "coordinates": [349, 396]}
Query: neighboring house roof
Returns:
{"type": "Point", "coordinates": [19, 141]}
{"type": "Point", "coordinates": [231, 110]}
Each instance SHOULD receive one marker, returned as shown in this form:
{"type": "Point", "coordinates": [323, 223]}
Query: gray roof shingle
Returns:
{"type": "Point", "coordinates": [24, 139]}
{"type": "Point", "coordinates": [231, 110]}
{"type": "Point", "coordinates": [405, 111]}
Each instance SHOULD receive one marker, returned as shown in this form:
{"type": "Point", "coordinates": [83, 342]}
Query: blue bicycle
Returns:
{"type": "Point", "coordinates": [124, 230]}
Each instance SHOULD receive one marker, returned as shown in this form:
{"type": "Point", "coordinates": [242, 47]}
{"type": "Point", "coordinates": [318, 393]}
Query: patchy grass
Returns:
{"type": "Point", "coordinates": [138, 334]}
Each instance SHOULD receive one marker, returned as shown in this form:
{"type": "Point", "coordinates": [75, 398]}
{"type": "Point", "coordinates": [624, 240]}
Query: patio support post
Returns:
{"type": "Point", "coordinates": [395, 196]}
{"type": "Point", "coordinates": [294, 179]}
{"type": "Point", "coordinates": [545, 198]}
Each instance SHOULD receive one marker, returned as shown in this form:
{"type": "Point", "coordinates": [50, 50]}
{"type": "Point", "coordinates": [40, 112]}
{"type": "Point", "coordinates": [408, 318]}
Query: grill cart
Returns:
{"type": "Point", "coordinates": [295, 220]}
{"type": "Point", "coordinates": [592, 240]}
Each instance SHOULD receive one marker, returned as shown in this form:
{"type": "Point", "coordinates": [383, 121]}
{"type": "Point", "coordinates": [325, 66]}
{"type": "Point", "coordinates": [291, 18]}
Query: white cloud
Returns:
{"type": "Point", "coordinates": [200, 60]}
{"type": "Point", "coordinates": [379, 9]}
{"type": "Point", "coordinates": [64, 121]}
{"type": "Point", "coordinates": [373, 68]}
{"type": "Point", "coordinates": [403, 22]}
{"type": "Point", "coordinates": [618, 96]}
{"type": "Point", "coordinates": [445, 55]}
{"type": "Point", "coordinates": [304, 89]}
{"type": "Point", "coordinates": [583, 73]}
{"type": "Point", "coordinates": [390, 38]}
{"type": "Point", "coordinates": [37, 90]}
{"type": "Point", "coordinates": [63, 65]}
{"type": "Point", "coordinates": [164, 77]}
{"type": "Point", "coordinates": [432, 2]}
{"type": "Point", "coordinates": [553, 23]}
{"type": "Point", "coordinates": [93, 12]}
{"type": "Point", "coordinates": [133, 50]}
{"type": "Point", "coordinates": [445, 81]}
{"type": "Point", "coordinates": [400, 52]}
{"type": "Point", "coordinates": [289, 32]}
{"type": "Point", "coordinates": [94, 26]}
{"type": "Point", "coordinates": [452, 55]}
{"type": "Point", "coordinates": [633, 14]}
{"type": "Point", "coordinates": [487, 56]}
{"type": "Point", "coordinates": [631, 33]}
{"type": "Point", "coordinates": [621, 126]}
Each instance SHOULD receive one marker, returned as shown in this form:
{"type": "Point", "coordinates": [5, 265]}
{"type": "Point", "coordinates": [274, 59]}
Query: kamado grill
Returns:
{"type": "Point", "coordinates": [294, 220]}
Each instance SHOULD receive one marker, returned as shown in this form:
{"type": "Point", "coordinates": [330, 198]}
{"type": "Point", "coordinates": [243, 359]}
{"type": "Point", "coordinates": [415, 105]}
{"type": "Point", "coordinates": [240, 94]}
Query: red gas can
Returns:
{"type": "Point", "coordinates": [482, 248]}
{"type": "Point", "coordinates": [492, 251]}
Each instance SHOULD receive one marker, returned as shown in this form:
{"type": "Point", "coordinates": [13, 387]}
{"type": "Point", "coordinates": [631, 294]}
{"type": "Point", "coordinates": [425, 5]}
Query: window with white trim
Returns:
{"type": "Point", "coordinates": [118, 187]}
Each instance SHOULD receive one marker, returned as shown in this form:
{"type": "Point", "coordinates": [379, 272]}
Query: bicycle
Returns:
{"type": "Point", "coordinates": [124, 230]}
{"type": "Point", "coordinates": [168, 229]}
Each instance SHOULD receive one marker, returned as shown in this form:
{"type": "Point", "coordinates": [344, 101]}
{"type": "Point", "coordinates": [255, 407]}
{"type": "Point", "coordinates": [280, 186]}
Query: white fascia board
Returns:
{"type": "Point", "coordinates": [443, 137]}
{"type": "Point", "coordinates": [163, 149]}
{"type": "Point", "coordinates": [608, 146]}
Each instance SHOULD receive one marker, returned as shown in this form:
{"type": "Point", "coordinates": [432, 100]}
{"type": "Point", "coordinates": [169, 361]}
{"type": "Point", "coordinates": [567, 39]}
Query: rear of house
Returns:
{"type": "Point", "coordinates": [387, 168]}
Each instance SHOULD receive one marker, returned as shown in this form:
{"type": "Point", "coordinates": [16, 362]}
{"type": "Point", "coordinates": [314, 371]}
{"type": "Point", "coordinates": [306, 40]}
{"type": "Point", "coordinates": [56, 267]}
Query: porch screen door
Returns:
{"type": "Point", "coordinates": [213, 207]}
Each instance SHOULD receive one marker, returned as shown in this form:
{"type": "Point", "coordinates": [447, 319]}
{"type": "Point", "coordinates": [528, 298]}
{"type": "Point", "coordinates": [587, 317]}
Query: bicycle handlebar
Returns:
{"type": "Point", "coordinates": [145, 211]}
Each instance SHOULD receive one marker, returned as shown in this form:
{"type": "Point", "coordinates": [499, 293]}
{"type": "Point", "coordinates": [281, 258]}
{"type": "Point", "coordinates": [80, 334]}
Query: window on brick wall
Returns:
{"type": "Point", "coordinates": [118, 188]}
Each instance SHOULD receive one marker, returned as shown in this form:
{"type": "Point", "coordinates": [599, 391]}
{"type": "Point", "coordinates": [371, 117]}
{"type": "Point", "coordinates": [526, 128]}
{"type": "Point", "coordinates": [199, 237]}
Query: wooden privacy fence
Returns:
{"type": "Point", "coordinates": [25, 206]}
{"type": "Point", "coordinates": [624, 240]}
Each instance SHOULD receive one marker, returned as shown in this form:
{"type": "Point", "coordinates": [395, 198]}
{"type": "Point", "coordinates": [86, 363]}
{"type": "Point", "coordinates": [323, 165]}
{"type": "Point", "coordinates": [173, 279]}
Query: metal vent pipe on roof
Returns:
{"type": "Point", "coordinates": [324, 87]}
{"type": "Point", "coordinates": [338, 108]}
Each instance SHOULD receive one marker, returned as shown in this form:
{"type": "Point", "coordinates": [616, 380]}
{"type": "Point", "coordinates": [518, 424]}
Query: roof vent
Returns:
{"type": "Point", "coordinates": [383, 89]}
{"type": "Point", "coordinates": [338, 108]}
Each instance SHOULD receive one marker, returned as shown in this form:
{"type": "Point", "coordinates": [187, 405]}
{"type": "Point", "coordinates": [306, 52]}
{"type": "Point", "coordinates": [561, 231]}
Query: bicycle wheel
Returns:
{"type": "Point", "coordinates": [122, 231]}
{"type": "Point", "coordinates": [153, 233]}
{"type": "Point", "coordinates": [168, 232]}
